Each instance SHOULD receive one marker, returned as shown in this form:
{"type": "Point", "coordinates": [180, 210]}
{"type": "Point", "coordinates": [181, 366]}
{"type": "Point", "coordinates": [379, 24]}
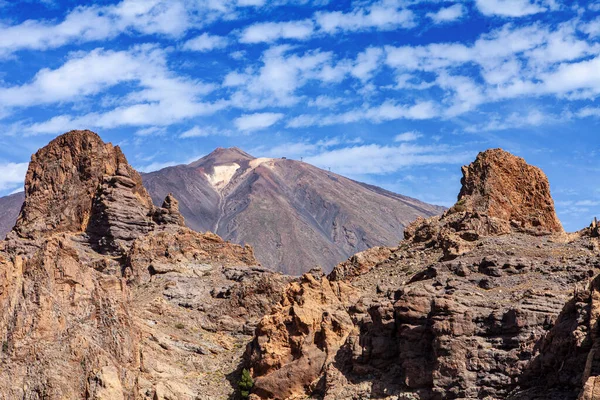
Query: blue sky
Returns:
{"type": "Point", "coordinates": [398, 93]}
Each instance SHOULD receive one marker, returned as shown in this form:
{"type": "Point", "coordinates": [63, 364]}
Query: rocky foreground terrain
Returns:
{"type": "Point", "coordinates": [490, 301]}
{"type": "Point", "coordinates": [105, 296]}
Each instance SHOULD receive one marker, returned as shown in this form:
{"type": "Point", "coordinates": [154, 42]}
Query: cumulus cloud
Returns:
{"type": "Point", "coordinates": [382, 15]}
{"type": "Point", "coordinates": [258, 121]}
{"type": "Point", "coordinates": [448, 14]}
{"type": "Point", "coordinates": [12, 175]}
{"type": "Point", "coordinates": [407, 136]}
{"type": "Point", "coordinates": [205, 42]}
{"type": "Point", "coordinates": [513, 8]}
{"type": "Point", "coordinates": [272, 31]}
{"type": "Point", "coordinates": [93, 23]}
{"type": "Point", "coordinates": [160, 97]}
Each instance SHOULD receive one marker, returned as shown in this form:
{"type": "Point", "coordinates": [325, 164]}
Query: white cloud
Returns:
{"type": "Point", "coordinates": [151, 131]}
{"type": "Point", "coordinates": [512, 8]}
{"type": "Point", "coordinates": [326, 101]}
{"type": "Point", "coordinates": [194, 132]}
{"type": "Point", "coordinates": [12, 175]}
{"type": "Point", "coordinates": [407, 136]}
{"type": "Point", "coordinates": [592, 28]}
{"type": "Point", "coordinates": [525, 119]}
{"type": "Point", "coordinates": [258, 121]}
{"type": "Point", "coordinates": [366, 63]}
{"type": "Point", "coordinates": [276, 82]}
{"type": "Point", "coordinates": [387, 111]}
{"type": "Point", "coordinates": [205, 131]}
{"type": "Point", "coordinates": [92, 23]}
{"type": "Point", "coordinates": [272, 31]}
{"type": "Point", "coordinates": [448, 14]}
{"type": "Point", "coordinates": [377, 159]}
{"type": "Point", "coordinates": [205, 42]}
{"type": "Point", "coordinates": [589, 112]}
{"type": "Point", "coordinates": [158, 97]}
{"type": "Point", "coordinates": [382, 15]}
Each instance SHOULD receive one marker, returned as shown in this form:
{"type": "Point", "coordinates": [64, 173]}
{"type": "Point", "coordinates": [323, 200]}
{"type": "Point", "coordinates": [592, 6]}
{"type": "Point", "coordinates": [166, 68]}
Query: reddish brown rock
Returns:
{"type": "Point", "coordinates": [294, 344]}
{"type": "Point", "coordinates": [103, 296]}
{"type": "Point", "coordinates": [63, 179]}
{"type": "Point", "coordinates": [503, 186]}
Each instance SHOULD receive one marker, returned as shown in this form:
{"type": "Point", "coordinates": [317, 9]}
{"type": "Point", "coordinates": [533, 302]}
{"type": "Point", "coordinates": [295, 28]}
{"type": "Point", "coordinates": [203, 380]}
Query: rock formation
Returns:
{"type": "Point", "coordinates": [500, 185]}
{"type": "Point", "coordinates": [104, 296]}
{"type": "Point", "coordinates": [468, 306]}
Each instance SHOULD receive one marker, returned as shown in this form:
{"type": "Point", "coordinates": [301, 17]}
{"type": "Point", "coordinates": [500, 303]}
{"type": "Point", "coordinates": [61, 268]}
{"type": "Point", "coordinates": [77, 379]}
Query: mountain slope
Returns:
{"type": "Point", "coordinates": [9, 209]}
{"type": "Point", "coordinates": [296, 216]}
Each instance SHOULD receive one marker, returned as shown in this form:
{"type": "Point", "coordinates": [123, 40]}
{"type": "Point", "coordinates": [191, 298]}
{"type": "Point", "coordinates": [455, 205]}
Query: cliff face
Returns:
{"type": "Point", "coordinates": [470, 305]}
{"type": "Point", "coordinates": [104, 296]}
{"type": "Point", "coordinates": [503, 186]}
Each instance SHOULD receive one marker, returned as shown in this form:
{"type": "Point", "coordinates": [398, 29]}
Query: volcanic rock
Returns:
{"type": "Point", "coordinates": [501, 185]}
{"type": "Point", "coordinates": [63, 179]}
{"type": "Point", "coordinates": [321, 218]}
{"type": "Point", "coordinates": [104, 296]}
{"type": "Point", "coordinates": [468, 306]}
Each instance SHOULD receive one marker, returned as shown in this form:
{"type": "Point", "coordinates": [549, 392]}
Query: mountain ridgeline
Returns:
{"type": "Point", "coordinates": [294, 215]}
{"type": "Point", "coordinates": [106, 296]}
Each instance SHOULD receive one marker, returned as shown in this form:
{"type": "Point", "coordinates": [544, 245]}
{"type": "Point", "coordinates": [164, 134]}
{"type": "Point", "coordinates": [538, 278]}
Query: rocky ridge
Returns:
{"type": "Point", "coordinates": [491, 300]}
{"type": "Point", "coordinates": [105, 296]}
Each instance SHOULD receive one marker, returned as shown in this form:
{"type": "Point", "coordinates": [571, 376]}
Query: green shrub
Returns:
{"type": "Point", "coordinates": [245, 384]}
{"type": "Point", "coordinates": [179, 325]}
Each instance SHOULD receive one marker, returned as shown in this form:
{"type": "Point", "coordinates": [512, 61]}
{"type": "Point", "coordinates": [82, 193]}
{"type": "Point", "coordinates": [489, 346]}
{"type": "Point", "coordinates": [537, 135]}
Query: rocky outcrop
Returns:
{"type": "Point", "coordinates": [500, 194]}
{"type": "Point", "coordinates": [468, 306]}
{"type": "Point", "coordinates": [104, 296]}
{"type": "Point", "coordinates": [301, 337]}
{"type": "Point", "coordinates": [501, 185]}
{"type": "Point", "coordinates": [63, 179]}
{"type": "Point", "coordinates": [169, 212]}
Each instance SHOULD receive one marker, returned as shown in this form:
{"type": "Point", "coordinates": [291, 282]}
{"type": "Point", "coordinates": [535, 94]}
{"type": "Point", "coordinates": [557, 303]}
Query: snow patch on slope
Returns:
{"type": "Point", "coordinates": [222, 175]}
{"type": "Point", "coordinates": [259, 161]}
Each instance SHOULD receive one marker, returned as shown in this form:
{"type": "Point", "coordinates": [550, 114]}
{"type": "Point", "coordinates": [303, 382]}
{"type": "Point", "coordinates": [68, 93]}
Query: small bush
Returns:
{"type": "Point", "coordinates": [245, 384]}
{"type": "Point", "coordinates": [179, 325]}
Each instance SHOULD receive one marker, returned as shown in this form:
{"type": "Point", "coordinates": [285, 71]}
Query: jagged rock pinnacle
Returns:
{"type": "Point", "coordinates": [504, 186]}
{"type": "Point", "coordinates": [500, 194]}
{"type": "Point", "coordinates": [78, 183]}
